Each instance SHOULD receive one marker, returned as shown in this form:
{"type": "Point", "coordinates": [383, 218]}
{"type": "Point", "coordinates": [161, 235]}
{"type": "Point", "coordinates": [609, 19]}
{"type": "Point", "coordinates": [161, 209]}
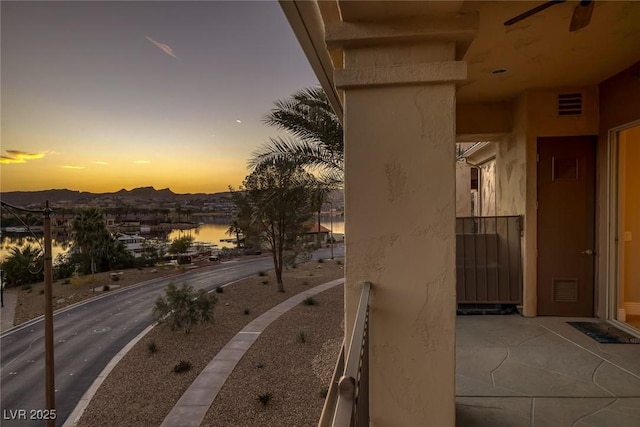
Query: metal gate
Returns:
{"type": "Point", "coordinates": [489, 260]}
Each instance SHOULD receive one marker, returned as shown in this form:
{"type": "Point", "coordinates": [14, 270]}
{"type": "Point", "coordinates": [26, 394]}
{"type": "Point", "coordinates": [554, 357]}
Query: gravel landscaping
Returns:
{"type": "Point", "coordinates": [143, 388]}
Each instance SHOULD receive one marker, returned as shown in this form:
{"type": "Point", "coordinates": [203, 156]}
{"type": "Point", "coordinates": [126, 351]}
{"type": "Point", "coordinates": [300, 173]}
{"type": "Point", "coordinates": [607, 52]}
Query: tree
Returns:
{"type": "Point", "coordinates": [180, 245]}
{"type": "Point", "coordinates": [24, 266]}
{"type": "Point", "coordinates": [90, 237]}
{"type": "Point", "coordinates": [318, 198]}
{"type": "Point", "coordinates": [183, 307]}
{"type": "Point", "coordinates": [316, 141]}
{"type": "Point", "coordinates": [235, 229]}
{"type": "Point", "coordinates": [275, 200]}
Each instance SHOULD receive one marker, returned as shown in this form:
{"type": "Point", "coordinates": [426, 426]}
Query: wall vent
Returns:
{"type": "Point", "coordinates": [570, 104]}
{"type": "Point", "coordinates": [565, 290]}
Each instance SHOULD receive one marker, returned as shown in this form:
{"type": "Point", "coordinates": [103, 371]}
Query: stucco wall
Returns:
{"type": "Point", "coordinates": [463, 189]}
{"type": "Point", "coordinates": [543, 118]}
{"type": "Point", "coordinates": [488, 188]}
{"type": "Point", "coordinates": [400, 223]}
{"type": "Point", "coordinates": [511, 176]}
{"type": "Point", "coordinates": [619, 105]}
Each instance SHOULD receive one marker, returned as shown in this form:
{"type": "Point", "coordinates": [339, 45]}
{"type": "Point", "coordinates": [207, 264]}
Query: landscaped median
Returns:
{"type": "Point", "coordinates": [144, 386]}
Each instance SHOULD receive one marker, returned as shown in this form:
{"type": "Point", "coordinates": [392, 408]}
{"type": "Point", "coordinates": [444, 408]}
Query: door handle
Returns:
{"type": "Point", "coordinates": [588, 252]}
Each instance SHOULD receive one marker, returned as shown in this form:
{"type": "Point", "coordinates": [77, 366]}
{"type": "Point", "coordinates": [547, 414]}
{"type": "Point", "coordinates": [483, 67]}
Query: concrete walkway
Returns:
{"type": "Point", "coordinates": [515, 371]}
{"type": "Point", "coordinates": [196, 400]}
{"type": "Point", "coordinates": [8, 312]}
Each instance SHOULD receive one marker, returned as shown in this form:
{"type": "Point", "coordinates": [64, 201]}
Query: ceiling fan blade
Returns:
{"type": "Point", "coordinates": [533, 11]}
{"type": "Point", "coordinates": [581, 15]}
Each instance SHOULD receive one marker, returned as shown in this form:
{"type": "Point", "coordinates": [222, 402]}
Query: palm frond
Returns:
{"type": "Point", "coordinates": [308, 115]}
{"type": "Point", "coordinates": [298, 152]}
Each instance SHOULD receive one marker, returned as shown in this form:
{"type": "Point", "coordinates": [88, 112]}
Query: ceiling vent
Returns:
{"type": "Point", "coordinates": [570, 104]}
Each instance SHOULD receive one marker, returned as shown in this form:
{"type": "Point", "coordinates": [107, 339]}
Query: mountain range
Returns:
{"type": "Point", "coordinates": [24, 198]}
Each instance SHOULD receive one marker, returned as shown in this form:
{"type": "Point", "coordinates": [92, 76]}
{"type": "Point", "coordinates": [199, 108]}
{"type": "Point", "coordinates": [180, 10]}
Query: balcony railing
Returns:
{"type": "Point", "coordinates": [488, 260]}
{"type": "Point", "coordinates": [347, 402]}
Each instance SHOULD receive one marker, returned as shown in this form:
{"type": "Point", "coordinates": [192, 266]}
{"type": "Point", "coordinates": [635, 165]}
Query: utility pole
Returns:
{"type": "Point", "coordinates": [50, 387]}
{"type": "Point", "coordinates": [48, 318]}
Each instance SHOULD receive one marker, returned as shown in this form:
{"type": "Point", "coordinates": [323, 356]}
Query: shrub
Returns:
{"type": "Point", "coordinates": [320, 260]}
{"type": "Point", "coordinates": [262, 273]}
{"type": "Point", "coordinates": [41, 292]}
{"type": "Point", "coordinates": [339, 261]}
{"type": "Point", "coordinates": [265, 282]}
{"type": "Point", "coordinates": [305, 283]}
{"type": "Point", "coordinates": [219, 289]}
{"type": "Point", "coordinates": [309, 301]}
{"type": "Point", "coordinates": [63, 266]}
{"type": "Point", "coordinates": [302, 337]}
{"type": "Point", "coordinates": [152, 347]}
{"type": "Point", "coordinates": [115, 277]}
{"type": "Point", "coordinates": [26, 287]}
{"type": "Point", "coordinates": [264, 398]}
{"type": "Point", "coordinates": [181, 367]}
{"type": "Point", "coordinates": [247, 311]}
{"type": "Point", "coordinates": [106, 288]}
{"type": "Point", "coordinates": [260, 365]}
{"type": "Point", "coordinates": [183, 307]}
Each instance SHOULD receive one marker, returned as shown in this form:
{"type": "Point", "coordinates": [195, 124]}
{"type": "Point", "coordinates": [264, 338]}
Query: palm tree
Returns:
{"type": "Point", "coordinates": [316, 141]}
{"type": "Point", "coordinates": [234, 228]}
{"type": "Point", "coordinates": [24, 265]}
{"type": "Point", "coordinates": [90, 234]}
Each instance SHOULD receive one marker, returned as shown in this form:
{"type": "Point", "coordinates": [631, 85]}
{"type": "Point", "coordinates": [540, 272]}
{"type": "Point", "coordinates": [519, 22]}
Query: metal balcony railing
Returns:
{"type": "Point", "coordinates": [489, 260]}
{"type": "Point", "coordinates": [347, 402]}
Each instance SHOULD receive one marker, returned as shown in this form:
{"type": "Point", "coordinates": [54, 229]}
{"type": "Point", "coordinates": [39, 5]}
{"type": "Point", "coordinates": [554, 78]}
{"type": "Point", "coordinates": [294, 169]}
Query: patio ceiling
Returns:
{"type": "Point", "coordinates": [537, 52]}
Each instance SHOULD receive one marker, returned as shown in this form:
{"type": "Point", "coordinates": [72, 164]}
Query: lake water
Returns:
{"type": "Point", "coordinates": [208, 232]}
{"type": "Point", "coordinates": [214, 233]}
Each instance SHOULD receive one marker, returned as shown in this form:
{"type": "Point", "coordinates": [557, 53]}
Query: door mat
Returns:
{"type": "Point", "coordinates": [604, 333]}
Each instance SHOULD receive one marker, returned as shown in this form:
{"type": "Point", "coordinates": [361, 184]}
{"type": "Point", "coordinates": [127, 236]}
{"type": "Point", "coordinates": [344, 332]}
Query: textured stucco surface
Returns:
{"type": "Point", "coordinates": [400, 212]}
{"type": "Point", "coordinates": [488, 188]}
{"type": "Point", "coordinates": [463, 189]}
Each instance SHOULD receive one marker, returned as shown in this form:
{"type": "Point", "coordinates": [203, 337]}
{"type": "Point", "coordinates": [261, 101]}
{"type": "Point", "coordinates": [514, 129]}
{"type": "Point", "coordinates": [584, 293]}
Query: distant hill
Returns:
{"type": "Point", "coordinates": [145, 193]}
{"type": "Point", "coordinates": [25, 198]}
{"type": "Point", "coordinates": [165, 195]}
{"type": "Point", "coordinates": [22, 198]}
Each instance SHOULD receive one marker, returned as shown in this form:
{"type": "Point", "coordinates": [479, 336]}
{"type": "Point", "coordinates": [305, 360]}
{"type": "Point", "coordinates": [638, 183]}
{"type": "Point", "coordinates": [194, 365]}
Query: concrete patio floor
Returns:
{"type": "Point", "coordinates": [515, 371]}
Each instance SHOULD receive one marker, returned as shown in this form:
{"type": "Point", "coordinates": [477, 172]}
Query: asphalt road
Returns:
{"type": "Point", "coordinates": [87, 337]}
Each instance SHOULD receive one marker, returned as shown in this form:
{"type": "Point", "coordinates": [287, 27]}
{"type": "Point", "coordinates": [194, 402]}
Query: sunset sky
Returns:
{"type": "Point", "coordinates": [99, 96]}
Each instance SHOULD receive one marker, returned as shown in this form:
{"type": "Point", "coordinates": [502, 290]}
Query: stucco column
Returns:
{"type": "Point", "coordinates": [399, 120]}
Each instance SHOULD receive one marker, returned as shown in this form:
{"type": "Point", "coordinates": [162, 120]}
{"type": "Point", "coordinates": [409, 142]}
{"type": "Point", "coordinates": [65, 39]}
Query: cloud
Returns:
{"type": "Point", "coordinates": [17, 156]}
{"type": "Point", "coordinates": [238, 121]}
{"type": "Point", "coordinates": [98, 162]}
{"type": "Point", "coordinates": [73, 167]}
{"type": "Point", "coordinates": [142, 162]}
{"type": "Point", "coordinates": [163, 47]}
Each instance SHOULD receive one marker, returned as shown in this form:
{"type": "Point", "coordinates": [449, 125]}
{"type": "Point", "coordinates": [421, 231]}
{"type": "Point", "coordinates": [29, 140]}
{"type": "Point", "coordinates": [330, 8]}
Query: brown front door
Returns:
{"type": "Point", "coordinates": [566, 223]}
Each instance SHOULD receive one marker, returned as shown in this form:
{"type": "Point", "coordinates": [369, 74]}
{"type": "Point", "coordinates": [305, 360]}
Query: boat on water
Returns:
{"type": "Point", "coordinates": [16, 229]}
